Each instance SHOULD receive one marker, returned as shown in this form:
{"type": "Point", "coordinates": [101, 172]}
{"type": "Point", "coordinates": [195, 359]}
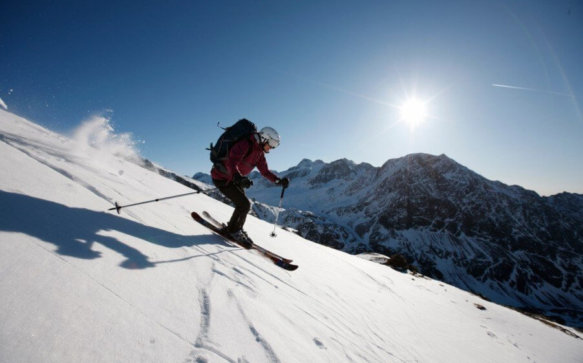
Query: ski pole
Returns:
{"type": "Point", "coordinates": [118, 207]}
{"type": "Point", "coordinates": [277, 212]}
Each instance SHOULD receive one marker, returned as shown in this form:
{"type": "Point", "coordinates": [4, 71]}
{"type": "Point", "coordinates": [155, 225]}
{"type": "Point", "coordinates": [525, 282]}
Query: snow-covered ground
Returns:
{"type": "Point", "coordinates": [81, 284]}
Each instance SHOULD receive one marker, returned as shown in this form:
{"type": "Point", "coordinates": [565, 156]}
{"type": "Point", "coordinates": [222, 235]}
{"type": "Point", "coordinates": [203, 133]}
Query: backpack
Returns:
{"type": "Point", "coordinates": [219, 152]}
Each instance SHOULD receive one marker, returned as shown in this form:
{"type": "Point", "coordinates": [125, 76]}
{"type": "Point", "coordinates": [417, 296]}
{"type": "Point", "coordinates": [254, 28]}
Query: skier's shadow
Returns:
{"type": "Point", "coordinates": [74, 230]}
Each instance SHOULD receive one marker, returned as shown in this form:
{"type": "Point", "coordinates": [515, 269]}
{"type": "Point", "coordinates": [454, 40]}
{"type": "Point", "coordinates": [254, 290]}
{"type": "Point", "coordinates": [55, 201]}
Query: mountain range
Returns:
{"type": "Point", "coordinates": [502, 242]}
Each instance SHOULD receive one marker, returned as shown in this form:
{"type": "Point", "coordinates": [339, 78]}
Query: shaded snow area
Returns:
{"type": "Point", "coordinates": [81, 284]}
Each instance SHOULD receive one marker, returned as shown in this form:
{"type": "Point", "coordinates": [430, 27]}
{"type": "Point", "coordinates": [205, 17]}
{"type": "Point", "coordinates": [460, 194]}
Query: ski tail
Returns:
{"type": "Point", "coordinates": [211, 219]}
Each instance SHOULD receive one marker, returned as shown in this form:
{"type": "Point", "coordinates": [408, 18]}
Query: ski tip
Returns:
{"type": "Point", "coordinates": [195, 215]}
{"type": "Point", "coordinates": [287, 266]}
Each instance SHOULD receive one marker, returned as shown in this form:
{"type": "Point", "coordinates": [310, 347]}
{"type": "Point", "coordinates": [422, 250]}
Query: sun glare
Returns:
{"type": "Point", "coordinates": [413, 112]}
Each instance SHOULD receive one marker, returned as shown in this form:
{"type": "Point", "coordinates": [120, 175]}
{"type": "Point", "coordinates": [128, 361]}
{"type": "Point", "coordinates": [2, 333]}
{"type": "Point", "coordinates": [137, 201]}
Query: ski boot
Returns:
{"type": "Point", "coordinates": [242, 238]}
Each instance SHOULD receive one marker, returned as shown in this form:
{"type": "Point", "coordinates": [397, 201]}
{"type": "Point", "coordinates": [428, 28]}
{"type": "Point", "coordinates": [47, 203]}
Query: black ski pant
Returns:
{"type": "Point", "coordinates": [236, 194]}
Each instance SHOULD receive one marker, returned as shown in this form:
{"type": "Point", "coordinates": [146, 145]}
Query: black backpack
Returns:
{"type": "Point", "coordinates": [240, 130]}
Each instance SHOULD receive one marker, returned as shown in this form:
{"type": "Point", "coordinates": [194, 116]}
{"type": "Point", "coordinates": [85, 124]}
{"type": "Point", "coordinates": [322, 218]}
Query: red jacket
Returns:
{"type": "Point", "coordinates": [242, 160]}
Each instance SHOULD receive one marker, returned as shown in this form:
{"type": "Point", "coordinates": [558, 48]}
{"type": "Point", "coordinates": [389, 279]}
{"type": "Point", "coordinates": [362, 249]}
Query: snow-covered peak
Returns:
{"type": "Point", "coordinates": [307, 163]}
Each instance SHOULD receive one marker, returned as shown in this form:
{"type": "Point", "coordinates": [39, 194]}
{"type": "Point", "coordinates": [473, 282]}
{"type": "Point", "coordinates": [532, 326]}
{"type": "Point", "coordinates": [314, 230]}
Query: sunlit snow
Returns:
{"type": "Point", "coordinates": [80, 284]}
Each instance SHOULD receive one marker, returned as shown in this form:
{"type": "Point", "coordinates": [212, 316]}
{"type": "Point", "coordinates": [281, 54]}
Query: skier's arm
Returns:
{"type": "Point", "coordinates": [264, 169]}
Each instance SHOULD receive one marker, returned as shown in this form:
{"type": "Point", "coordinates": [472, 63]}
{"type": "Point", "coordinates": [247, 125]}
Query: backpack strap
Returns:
{"type": "Point", "coordinates": [221, 167]}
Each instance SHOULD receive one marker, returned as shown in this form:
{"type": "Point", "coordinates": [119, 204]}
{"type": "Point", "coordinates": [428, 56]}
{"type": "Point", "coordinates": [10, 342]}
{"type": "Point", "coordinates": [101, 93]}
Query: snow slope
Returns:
{"type": "Point", "coordinates": [79, 283]}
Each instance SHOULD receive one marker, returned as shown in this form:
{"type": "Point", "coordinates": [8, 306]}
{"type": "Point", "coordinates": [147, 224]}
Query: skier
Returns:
{"type": "Point", "coordinates": [230, 177]}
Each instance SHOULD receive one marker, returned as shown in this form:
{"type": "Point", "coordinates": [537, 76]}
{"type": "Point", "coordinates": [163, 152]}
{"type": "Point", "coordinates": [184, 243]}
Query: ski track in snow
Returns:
{"type": "Point", "coordinates": [235, 280]}
{"type": "Point", "coordinates": [203, 341]}
{"type": "Point", "coordinates": [258, 337]}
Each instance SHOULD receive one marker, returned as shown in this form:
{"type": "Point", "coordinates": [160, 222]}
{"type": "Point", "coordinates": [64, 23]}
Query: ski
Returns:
{"type": "Point", "coordinates": [276, 259]}
{"type": "Point", "coordinates": [219, 225]}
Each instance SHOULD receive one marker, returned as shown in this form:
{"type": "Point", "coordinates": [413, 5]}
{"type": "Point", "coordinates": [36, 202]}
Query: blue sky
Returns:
{"type": "Point", "coordinates": [501, 81]}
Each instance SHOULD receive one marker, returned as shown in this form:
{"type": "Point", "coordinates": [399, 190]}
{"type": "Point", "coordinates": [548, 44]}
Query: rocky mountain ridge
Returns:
{"type": "Point", "coordinates": [504, 242]}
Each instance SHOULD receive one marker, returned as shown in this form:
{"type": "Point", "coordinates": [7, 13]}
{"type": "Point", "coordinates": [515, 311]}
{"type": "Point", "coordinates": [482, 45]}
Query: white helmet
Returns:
{"type": "Point", "coordinates": [269, 136]}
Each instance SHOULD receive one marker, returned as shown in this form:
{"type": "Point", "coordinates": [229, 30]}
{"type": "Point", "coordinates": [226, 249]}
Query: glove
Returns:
{"type": "Point", "coordinates": [242, 181]}
{"type": "Point", "coordinates": [283, 182]}
{"type": "Point", "coordinates": [246, 183]}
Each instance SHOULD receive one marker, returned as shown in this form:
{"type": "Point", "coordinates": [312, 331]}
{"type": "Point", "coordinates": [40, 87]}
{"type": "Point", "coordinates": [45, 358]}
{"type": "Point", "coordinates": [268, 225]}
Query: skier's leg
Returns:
{"type": "Point", "coordinates": [241, 202]}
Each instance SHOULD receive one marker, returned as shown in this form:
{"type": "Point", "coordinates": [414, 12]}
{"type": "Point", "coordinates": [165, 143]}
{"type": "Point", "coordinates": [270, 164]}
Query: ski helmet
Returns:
{"type": "Point", "coordinates": [269, 136]}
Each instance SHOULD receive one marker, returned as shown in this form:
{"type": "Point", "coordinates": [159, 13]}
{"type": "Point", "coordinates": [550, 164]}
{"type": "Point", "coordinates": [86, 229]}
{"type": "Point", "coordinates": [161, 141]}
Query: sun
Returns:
{"type": "Point", "coordinates": [413, 112]}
